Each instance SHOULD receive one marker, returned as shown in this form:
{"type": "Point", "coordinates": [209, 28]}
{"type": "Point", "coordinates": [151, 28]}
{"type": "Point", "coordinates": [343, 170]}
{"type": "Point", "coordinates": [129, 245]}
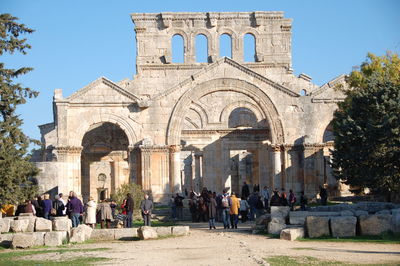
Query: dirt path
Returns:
{"type": "Point", "coordinates": [232, 247]}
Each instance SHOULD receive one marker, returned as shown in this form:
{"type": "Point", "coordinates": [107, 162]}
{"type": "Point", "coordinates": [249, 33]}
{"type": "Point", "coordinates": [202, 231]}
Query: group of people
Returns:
{"type": "Point", "coordinates": [90, 214]}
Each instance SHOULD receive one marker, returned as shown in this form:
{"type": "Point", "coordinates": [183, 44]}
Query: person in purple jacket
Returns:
{"type": "Point", "coordinates": [47, 205]}
{"type": "Point", "coordinates": [74, 208]}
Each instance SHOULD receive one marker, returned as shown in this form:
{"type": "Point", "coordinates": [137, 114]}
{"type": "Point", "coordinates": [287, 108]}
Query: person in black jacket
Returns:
{"type": "Point", "coordinates": [245, 190]}
{"type": "Point", "coordinates": [58, 205]}
{"type": "Point", "coordinates": [129, 210]}
{"type": "Point", "coordinates": [275, 199]}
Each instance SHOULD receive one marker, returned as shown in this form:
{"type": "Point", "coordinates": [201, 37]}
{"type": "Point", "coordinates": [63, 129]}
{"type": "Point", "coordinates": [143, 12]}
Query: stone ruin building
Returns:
{"type": "Point", "coordinates": [213, 124]}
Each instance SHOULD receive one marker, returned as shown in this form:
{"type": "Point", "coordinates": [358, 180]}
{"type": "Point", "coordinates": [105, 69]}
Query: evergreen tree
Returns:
{"type": "Point", "coordinates": [16, 171]}
{"type": "Point", "coordinates": [366, 127]}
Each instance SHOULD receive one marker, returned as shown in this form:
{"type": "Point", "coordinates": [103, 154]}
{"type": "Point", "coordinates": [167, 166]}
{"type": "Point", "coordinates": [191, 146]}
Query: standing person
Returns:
{"type": "Point", "coordinates": [259, 206]}
{"type": "Point", "coordinates": [275, 199]}
{"type": "Point", "coordinates": [245, 190]}
{"type": "Point", "coordinates": [105, 213]}
{"type": "Point", "coordinates": [74, 208]}
{"type": "Point", "coordinates": [244, 208]}
{"type": "Point", "coordinates": [193, 209]}
{"type": "Point", "coordinates": [173, 206]}
{"type": "Point", "coordinates": [113, 206]}
{"type": "Point", "coordinates": [29, 208]}
{"type": "Point", "coordinates": [234, 210]}
{"type": "Point", "coordinates": [253, 199]}
{"type": "Point", "coordinates": [129, 210]}
{"type": "Point", "coordinates": [292, 199]}
{"type": "Point", "coordinates": [323, 193]}
{"type": "Point", "coordinates": [59, 206]}
{"type": "Point", "coordinates": [91, 209]}
{"type": "Point", "coordinates": [179, 205]}
{"type": "Point", "coordinates": [265, 196]}
{"type": "Point", "coordinates": [38, 208]}
{"type": "Point", "coordinates": [47, 206]}
{"type": "Point", "coordinates": [202, 209]}
{"type": "Point", "coordinates": [303, 201]}
{"type": "Point", "coordinates": [64, 203]}
{"type": "Point", "coordinates": [212, 211]}
{"type": "Point", "coordinates": [226, 206]}
{"type": "Point", "coordinates": [256, 188]}
{"type": "Point", "coordinates": [283, 198]}
{"type": "Point", "coordinates": [218, 199]}
{"type": "Point", "coordinates": [146, 206]}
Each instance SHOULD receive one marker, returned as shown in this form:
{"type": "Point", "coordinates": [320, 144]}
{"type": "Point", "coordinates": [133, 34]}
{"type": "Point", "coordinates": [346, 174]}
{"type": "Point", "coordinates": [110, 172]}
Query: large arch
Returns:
{"type": "Point", "coordinates": [103, 118]}
{"type": "Point", "coordinates": [267, 107]}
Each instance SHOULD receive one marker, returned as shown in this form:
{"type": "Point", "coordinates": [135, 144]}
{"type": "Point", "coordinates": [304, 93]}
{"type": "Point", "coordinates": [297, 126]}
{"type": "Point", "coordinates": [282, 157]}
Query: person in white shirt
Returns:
{"type": "Point", "coordinates": [265, 196]}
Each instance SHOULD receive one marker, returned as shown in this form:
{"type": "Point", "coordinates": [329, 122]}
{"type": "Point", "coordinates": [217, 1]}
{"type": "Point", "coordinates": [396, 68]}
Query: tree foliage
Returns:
{"type": "Point", "coordinates": [16, 171]}
{"type": "Point", "coordinates": [136, 192]}
{"type": "Point", "coordinates": [366, 127]}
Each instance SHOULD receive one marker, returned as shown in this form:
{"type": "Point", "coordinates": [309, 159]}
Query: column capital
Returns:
{"type": "Point", "coordinates": [276, 147]}
{"type": "Point", "coordinates": [175, 148]}
{"type": "Point", "coordinates": [68, 150]}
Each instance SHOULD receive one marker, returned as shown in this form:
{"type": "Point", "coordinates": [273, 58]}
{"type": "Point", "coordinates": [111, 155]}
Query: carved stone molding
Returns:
{"type": "Point", "coordinates": [175, 148]}
{"type": "Point", "coordinates": [68, 150]}
{"type": "Point", "coordinates": [154, 148]}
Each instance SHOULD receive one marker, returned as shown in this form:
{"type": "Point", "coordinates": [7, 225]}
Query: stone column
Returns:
{"type": "Point", "coordinates": [193, 180]}
{"type": "Point", "coordinates": [71, 172]}
{"type": "Point", "coordinates": [175, 160]}
{"type": "Point", "coordinates": [276, 155]}
{"type": "Point", "coordinates": [310, 179]}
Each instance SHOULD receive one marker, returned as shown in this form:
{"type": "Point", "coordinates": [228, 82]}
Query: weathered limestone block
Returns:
{"type": "Point", "coordinates": [103, 234]}
{"type": "Point", "coordinates": [358, 213]}
{"type": "Point", "coordinates": [62, 224]}
{"type": "Point", "coordinates": [395, 211]}
{"type": "Point", "coordinates": [278, 220]}
{"type": "Point", "coordinates": [32, 221]}
{"type": "Point", "coordinates": [147, 232]}
{"type": "Point", "coordinates": [180, 230]}
{"type": "Point", "coordinates": [6, 239]}
{"type": "Point", "coordinates": [292, 234]}
{"type": "Point", "coordinates": [375, 224]}
{"type": "Point", "coordinates": [5, 225]}
{"type": "Point", "coordinates": [43, 225]}
{"type": "Point", "coordinates": [22, 241]}
{"type": "Point", "coordinates": [280, 211]}
{"type": "Point", "coordinates": [298, 217]}
{"type": "Point", "coordinates": [25, 214]}
{"type": "Point", "coordinates": [396, 222]}
{"type": "Point", "coordinates": [275, 228]}
{"type": "Point", "coordinates": [19, 225]}
{"type": "Point", "coordinates": [343, 226]}
{"type": "Point", "coordinates": [317, 226]}
{"type": "Point", "coordinates": [125, 233]}
{"type": "Point", "coordinates": [383, 212]}
{"type": "Point", "coordinates": [55, 238]}
{"type": "Point", "coordinates": [263, 219]}
{"type": "Point", "coordinates": [164, 231]}
{"type": "Point", "coordinates": [324, 214]}
{"type": "Point", "coordinates": [80, 234]}
{"type": "Point", "coordinates": [346, 213]}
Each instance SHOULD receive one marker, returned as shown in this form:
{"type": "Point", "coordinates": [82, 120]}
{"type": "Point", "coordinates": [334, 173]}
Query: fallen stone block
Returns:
{"type": "Point", "coordinates": [180, 230]}
{"type": "Point", "coordinates": [80, 234]}
{"type": "Point", "coordinates": [62, 224]}
{"type": "Point", "coordinates": [163, 230]}
{"type": "Point", "coordinates": [317, 226]}
{"type": "Point", "coordinates": [125, 233]}
{"type": "Point", "coordinates": [375, 224]}
{"type": "Point", "coordinates": [358, 213]}
{"type": "Point", "coordinates": [263, 219]}
{"type": "Point", "coordinates": [346, 213]}
{"type": "Point", "coordinates": [5, 225]}
{"type": "Point", "coordinates": [32, 221]}
{"type": "Point", "coordinates": [343, 226]}
{"type": "Point", "coordinates": [396, 222]}
{"type": "Point", "coordinates": [292, 234]}
{"type": "Point", "coordinates": [275, 228]}
{"type": "Point", "coordinates": [19, 225]}
{"type": "Point", "coordinates": [298, 217]}
{"type": "Point", "coordinates": [278, 220]}
{"type": "Point", "coordinates": [280, 211]}
{"type": "Point", "coordinates": [55, 238]}
{"type": "Point", "coordinates": [27, 240]}
{"type": "Point", "coordinates": [43, 225]}
{"type": "Point", "coordinates": [147, 232]}
{"type": "Point", "coordinates": [6, 239]}
{"type": "Point", "coordinates": [324, 214]}
{"type": "Point", "coordinates": [103, 234]}
{"type": "Point", "coordinates": [383, 212]}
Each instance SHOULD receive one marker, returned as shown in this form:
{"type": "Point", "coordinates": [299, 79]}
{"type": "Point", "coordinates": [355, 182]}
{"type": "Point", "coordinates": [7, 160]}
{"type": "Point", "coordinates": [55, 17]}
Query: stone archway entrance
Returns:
{"type": "Point", "coordinates": [104, 161]}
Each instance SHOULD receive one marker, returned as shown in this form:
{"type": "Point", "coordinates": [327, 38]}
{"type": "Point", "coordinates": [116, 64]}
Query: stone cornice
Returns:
{"type": "Point", "coordinates": [154, 148]}
{"type": "Point", "coordinates": [225, 131]}
{"type": "Point", "coordinates": [68, 150]}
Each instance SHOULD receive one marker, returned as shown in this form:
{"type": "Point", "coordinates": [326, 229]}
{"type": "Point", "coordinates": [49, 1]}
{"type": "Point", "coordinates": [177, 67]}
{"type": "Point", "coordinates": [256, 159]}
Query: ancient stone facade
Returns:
{"type": "Point", "coordinates": [177, 126]}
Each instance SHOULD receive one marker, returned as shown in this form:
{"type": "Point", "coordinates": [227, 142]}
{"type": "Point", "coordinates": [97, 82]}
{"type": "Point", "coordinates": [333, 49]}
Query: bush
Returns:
{"type": "Point", "coordinates": [136, 192]}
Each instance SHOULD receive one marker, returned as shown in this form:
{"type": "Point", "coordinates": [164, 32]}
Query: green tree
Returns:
{"type": "Point", "coordinates": [366, 127]}
{"type": "Point", "coordinates": [16, 171]}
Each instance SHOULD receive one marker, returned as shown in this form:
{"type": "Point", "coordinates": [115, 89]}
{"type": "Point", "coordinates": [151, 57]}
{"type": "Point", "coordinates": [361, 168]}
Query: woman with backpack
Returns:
{"type": "Point", "coordinates": [292, 199]}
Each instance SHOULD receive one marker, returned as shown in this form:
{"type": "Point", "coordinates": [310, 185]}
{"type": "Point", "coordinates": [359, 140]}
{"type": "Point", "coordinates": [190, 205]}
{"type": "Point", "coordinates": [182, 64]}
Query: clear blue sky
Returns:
{"type": "Point", "coordinates": [78, 41]}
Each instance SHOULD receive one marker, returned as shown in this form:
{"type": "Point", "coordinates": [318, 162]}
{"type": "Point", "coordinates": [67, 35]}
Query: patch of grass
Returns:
{"type": "Point", "coordinates": [268, 235]}
{"type": "Point", "coordinates": [5, 256]}
{"type": "Point", "coordinates": [154, 223]}
{"type": "Point", "coordinates": [387, 238]}
{"type": "Point", "coordinates": [162, 207]}
{"type": "Point", "coordinates": [75, 261]}
{"type": "Point", "coordinates": [303, 261]}
{"type": "Point", "coordinates": [303, 248]}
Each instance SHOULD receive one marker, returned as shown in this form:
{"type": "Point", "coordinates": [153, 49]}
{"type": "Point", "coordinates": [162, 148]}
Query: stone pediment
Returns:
{"type": "Point", "coordinates": [204, 75]}
{"type": "Point", "coordinates": [329, 92]}
{"type": "Point", "coordinates": [102, 90]}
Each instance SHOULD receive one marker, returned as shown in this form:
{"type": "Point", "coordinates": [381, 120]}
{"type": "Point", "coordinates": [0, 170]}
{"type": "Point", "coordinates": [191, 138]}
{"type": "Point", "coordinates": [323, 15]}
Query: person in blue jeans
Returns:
{"type": "Point", "coordinates": [226, 206]}
{"type": "Point", "coordinates": [74, 208]}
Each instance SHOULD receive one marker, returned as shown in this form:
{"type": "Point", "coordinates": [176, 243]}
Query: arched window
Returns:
{"type": "Point", "coordinates": [249, 49]}
{"type": "Point", "coordinates": [201, 49]}
{"type": "Point", "coordinates": [177, 49]}
{"type": "Point", "coordinates": [303, 92]}
{"type": "Point", "coordinates": [242, 117]}
{"type": "Point", "coordinates": [225, 45]}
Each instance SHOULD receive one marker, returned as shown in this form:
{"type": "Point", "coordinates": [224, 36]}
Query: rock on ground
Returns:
{"type": "Point", "coordinates": [343, 226]}
{"type": "Point", "coordinates": [375, 224]}
{"type": "Point", "coordinates": [275, 228]}
{"type": "Point", "coordinates": [5, 225]}
{"type": "Point", "coordinates": [43, 225]}
{"type": "Point", "coordinates": [147, 232]}
{"type": "Point", "coordinates": [298, 217]}
{"type": "Point", "coordinates": [317, 226]}
{"type": "Point", "coordinates": [55, 238]}
{"type": "Point", "coordinates": [62, 224]}
{"type": "Point", "coordinates": [27, 240]}
{"type": "Point", "coordinates": [32, 221]}
{"type": "Point", "coordinates": [280, 211]}
{"type": "Point", "coordinates": [346, 213]}
{"type": "Point", "coordinates": [180, 230]}
{"type": "Point", "coordinates": [80, 234]}
{"type": "Point", "coordinates": [164, 230]}
{"type": "Point", "coordinates": [125, 233]}
{"type": "Point", "coordinates": [292, 233]}
{"type": "Point", "coordinates": [263, 219]}
{"type": "Point", "coordinates": [103, 234]}
{"type": "Point", "coordinates": [19, 225]}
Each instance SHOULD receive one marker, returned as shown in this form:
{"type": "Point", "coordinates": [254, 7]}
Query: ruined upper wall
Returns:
{"type": "Point", "coordinates": [154, 34]}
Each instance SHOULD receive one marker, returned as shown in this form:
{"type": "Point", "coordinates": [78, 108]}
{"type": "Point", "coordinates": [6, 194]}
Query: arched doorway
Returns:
{"type": "Point", "coordinates": [104, 160]}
